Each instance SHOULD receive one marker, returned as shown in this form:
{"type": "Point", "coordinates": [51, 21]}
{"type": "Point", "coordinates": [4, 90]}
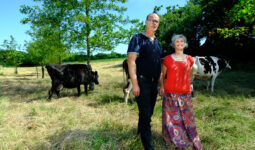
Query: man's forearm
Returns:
{"type": "Point", "coordinates": [132, 72]}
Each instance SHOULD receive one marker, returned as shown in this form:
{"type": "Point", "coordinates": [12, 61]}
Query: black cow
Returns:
{"type": "Point", "coordinates": [127, 84]}
{"type": "Point", "coordinates": [71, 76]}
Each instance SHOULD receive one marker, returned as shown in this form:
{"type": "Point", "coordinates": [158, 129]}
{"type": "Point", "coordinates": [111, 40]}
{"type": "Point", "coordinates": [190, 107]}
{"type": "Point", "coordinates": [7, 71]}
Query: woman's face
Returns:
{"type": "Point", "coordinates": [179, 44]}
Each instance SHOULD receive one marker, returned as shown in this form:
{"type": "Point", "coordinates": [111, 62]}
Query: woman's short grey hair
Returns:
{"type": "Point", "coordinates": [179, 36]}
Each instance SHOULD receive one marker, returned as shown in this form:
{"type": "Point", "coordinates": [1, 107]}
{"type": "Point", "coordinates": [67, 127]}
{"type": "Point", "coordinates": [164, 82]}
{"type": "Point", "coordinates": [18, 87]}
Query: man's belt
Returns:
{"type": "Point", "coordinates": [147, 78]}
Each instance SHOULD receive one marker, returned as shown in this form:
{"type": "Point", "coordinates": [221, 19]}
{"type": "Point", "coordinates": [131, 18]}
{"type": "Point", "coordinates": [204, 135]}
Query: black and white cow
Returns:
{"type": "Point", "coordinates": [127, 84]}
{"type": "Point", "coordinates": [70, 76]}
{"type": "Point", "coordinates": [208, 67]}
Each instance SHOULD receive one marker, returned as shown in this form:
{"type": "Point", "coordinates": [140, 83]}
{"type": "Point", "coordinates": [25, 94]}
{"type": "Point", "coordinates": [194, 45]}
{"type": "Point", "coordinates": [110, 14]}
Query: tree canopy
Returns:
{"type": "Point", "coordinates": [227, 25]}
{"type": "Point", "coordinates": [12, 56]}
{"type": "Point", "coordinates": [90, 25]}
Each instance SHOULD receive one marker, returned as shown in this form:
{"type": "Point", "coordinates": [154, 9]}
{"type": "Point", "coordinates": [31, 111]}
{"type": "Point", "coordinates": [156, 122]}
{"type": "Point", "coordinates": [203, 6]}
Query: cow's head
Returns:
{"type": "Point", "coordinates": [94, 76]}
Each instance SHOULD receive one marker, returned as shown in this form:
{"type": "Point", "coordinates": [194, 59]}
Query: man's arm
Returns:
{"type": "Point", "coordinates": [132, 72]}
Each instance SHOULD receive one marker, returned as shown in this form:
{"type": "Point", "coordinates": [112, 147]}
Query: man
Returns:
{"type": "Point", "coordinates": [144, 65]}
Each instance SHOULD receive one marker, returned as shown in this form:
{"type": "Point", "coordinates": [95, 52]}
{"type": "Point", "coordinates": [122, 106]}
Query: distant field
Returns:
{"type": "Point", "coordinates": [225, 119]}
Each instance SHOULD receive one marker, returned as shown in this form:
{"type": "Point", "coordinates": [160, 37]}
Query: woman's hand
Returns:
{"type": "Point", "coordinates": [162, 91]}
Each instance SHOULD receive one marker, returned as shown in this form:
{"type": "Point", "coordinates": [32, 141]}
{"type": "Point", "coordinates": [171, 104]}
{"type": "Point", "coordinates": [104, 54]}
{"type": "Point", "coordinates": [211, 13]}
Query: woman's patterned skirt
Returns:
{"type": "Point", "coordinates": [178, 124]}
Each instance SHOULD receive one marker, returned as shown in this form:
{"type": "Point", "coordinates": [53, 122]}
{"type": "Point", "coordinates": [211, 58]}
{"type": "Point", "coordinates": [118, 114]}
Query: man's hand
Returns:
{"type": "Point", "coordinates": [136, 90]}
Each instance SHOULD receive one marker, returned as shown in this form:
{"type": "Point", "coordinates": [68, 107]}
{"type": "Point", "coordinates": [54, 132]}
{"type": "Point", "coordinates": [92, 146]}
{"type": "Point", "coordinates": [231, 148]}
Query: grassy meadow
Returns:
{"type": "Point", "coordinates": [225, 119]}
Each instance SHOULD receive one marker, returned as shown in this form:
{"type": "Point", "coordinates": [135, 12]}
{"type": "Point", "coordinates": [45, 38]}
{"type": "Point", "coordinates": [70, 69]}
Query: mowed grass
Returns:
{"type": "Point", "coordinates": [225, 119]}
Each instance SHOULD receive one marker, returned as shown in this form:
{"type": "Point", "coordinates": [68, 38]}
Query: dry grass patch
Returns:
{"type": "Point", "coordinates": [101, 120]}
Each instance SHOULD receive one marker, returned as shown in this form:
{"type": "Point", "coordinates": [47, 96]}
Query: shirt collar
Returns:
{"type": "Point", "coordinates": [148, 36]}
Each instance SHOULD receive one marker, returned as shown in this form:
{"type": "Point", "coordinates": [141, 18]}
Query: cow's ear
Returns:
{"type": "Point", "coordinates": [96, 72]}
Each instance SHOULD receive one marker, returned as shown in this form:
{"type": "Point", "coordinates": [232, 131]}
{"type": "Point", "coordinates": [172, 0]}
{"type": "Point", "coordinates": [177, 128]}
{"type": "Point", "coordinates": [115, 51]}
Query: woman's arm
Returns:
{"type": "Point", "coordinates": [162, 80]}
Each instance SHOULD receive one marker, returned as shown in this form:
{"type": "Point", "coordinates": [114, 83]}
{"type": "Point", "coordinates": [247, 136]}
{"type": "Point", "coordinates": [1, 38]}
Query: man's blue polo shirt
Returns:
{"type": "Point", "coordinates": [148, 62]}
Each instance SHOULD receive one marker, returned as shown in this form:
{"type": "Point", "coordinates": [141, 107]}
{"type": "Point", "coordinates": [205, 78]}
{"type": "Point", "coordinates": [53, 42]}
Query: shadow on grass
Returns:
{"type": "Point", "coordinates": [37, 99]}
{"type": "Point", "coordinates": [230, 84]}
{"type": "Point", "coordinates": [114, 66]}
{"type": "Point", "coordinates": [107, 137]}
{"type": "Point", "coordinates": [107, 99]}
{"type": "Point", "coordinates": [28, 90]}
{"type": "Point", "coordinates": [18, 92]}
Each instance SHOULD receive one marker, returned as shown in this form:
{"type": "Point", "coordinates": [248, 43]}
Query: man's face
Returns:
{"type": "Point", "coordinates": [152, 22]}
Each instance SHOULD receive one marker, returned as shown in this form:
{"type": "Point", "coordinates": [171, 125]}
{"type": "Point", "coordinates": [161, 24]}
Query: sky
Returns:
{"type": "Point", "coordinates": [10, 17]}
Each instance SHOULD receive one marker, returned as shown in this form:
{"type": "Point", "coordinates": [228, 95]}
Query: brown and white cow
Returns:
{"type": "Point", "coordinates": [208, 68]}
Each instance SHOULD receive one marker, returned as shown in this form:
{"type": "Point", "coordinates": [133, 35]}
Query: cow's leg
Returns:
{"type": "Point", "coordinates": [208, 85]}
{"type": "Point", "coordinates": [58, 89]}
{"type": "Point", "coordinates": [192, 90]}
{"type": "Point", "coordinates": [131, 96]}
{"type": "Point", "coordinates": [50, 93]}
{"type": "Point", "coordinates": [127, 90]}
{"type": "Point", "coordinates": [86, 88]}
{"type": "Point", "coordinates": [52, 89]}
{"type": "Point", "coordinates": [212, 83]}
{"type": "Point", "coordinates": [79, 90]}
{"type": "Point", "coordinates": [130, 92]}
{"type": "Point", "coordinates": [126, 95]}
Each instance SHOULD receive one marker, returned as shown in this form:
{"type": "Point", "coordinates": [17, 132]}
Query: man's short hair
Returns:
{"type": "Point", "coordinates": [151, 14]}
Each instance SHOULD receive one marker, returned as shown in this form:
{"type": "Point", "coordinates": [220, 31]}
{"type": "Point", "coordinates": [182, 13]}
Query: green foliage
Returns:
{"type": "Point", "coordinates": [180, 20]}
{"type": "Point", "coordinates": [244, 10]}
{"type": "Point", "coordinates": [14, 58]}
{"type": "Point", "coordinates": [71, 24]}
{"type": "Point", "coordinates": [50, 30]}
{"type": "Point", "coordinates": [81, 57]}
{"type": "Point", "coordinates": [11, 56]}
{"type": "Point", "coordinates": [227, 26]}
{"type": "Point", "coordinates": [231, 18]}
{"type": "Point", "coordinates": [99, 25]}
{"type": "Point", "coordinates": [241, 20]}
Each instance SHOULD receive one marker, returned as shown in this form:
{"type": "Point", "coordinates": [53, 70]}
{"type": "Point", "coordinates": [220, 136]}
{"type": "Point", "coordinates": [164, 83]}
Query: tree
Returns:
{"type": "Point", "coordinates": [241, 17]}
{"type": "Point", "coordinates": [180, 20]}
{"type": "Point", "coordinates": [100, 23]}
{"type": "Point", "coordinates": [41, 53]}
{"type": "Point", "coordinates": [50, 26]}
{"type": "Point", "coordinates": [13, 57]}
{"type": "Point", "coordinates": [229, 27]}
{"type": "Point", "coordinates": [93, 25]}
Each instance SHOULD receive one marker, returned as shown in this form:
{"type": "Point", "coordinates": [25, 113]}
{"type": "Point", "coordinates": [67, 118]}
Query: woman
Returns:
{"type": "Point", "coordinates": [178, 125]}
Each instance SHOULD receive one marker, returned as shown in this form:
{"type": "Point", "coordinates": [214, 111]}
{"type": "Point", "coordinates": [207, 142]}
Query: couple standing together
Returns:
{"type": "Point", "coordinates": [146, 69]}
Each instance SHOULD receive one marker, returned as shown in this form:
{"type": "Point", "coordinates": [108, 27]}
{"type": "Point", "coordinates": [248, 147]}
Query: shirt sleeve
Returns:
{"type": "Point", "coordinates": [134, 45]}
{"type": "Point", "coordinates": [191, 60]}
{"type": "Point", "coordinates": [166, 61]}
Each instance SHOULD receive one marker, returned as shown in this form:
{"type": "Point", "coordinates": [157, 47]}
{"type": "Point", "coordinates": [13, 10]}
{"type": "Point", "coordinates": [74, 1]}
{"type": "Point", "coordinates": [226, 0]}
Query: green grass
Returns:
{"type": "Point", "coordinates": [101, 120]}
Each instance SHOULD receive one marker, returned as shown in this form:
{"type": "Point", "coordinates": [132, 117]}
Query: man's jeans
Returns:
{"type": "Point", "coordinates": [146, 102]}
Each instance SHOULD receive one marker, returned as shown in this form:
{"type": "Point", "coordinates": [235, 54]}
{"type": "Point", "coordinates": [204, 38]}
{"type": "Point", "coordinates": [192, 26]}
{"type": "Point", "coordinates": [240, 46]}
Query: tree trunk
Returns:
{"type": "Point", "coordinates": [42, 72]}
{"type": "Point", "coordinates": [87, 34]}
{"type": "Point", "coordinates": [88, 51]}
{"type": "Point", "coordinates": [36, 71]}
{"type": "Point", "coordinates": [59, 49]}
{"type": "Point", "coordinates": [16, 70]}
